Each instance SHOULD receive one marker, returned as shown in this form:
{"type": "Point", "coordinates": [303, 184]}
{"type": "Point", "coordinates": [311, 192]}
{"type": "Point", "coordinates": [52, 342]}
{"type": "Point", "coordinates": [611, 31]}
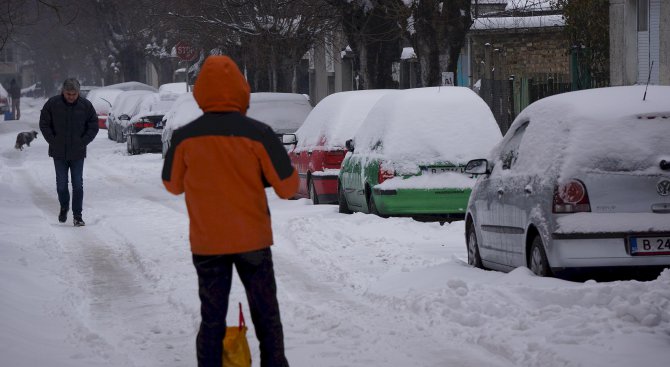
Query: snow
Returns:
{"type": "Point", "coordinates": [354, 290]}
{"type": "Point", "coordinates": [538, 21]}
{"type": "Point", "coordinates": [336, 118]}
{"type": "Point", "coordinates": [174, 88]}
{"type": "Point", "coordinates": [407, 53]}
{"type": "Point", "coordinates": [429, 125]}
{"type": "Point", "coordinates": [594, 129]}
{"type": "Point", "coordinates": [3, 92]}
{"type": "Point", "coordinates": [102, 99]}
{"type": "Point", "coordinates": [285, 112]}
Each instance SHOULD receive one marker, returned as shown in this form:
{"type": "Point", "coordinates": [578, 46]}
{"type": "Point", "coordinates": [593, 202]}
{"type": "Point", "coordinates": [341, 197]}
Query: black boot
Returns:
{"type": "Point", "coordinates": [62, 216]}
{"type": "Point", "coordinates": [78, 222]}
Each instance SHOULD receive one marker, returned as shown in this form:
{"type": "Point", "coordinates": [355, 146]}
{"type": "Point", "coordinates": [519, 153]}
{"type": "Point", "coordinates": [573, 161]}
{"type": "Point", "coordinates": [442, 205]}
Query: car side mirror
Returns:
{"type": "Point", "coordinates": [350, 145]}
{"type": "Point", "coordinates": [477, 167]}
{"type": "Point", "coordinates": [124, 117]}
{"type": "Point", "coordinates": [289, 139]}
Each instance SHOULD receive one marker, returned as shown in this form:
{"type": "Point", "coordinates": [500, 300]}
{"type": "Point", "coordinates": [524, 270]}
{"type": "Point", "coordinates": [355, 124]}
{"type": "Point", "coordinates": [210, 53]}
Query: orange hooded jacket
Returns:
{"type": "Point", "coordinates": [223, 161]}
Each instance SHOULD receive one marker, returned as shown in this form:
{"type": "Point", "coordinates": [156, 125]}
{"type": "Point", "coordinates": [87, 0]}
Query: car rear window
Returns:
{"type": "Point", "coordinates": [630, 145]}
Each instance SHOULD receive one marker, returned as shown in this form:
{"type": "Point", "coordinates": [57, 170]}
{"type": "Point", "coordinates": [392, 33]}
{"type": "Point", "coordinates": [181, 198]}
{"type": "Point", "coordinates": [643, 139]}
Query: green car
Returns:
{"type": "Point", "coordinates": [409, 155]}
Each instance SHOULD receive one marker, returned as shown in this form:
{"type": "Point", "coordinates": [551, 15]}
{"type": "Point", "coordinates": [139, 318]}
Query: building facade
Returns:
{"type": "Point", "coordinates": [639, 42]}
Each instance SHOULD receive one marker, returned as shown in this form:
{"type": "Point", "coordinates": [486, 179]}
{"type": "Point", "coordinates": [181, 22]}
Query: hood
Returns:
{"type": "Point", "coordinates": [221, 86]}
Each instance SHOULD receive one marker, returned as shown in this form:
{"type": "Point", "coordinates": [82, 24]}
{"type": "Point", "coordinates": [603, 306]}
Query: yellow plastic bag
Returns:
{"type": "Point", "coordinates": [236, 352]}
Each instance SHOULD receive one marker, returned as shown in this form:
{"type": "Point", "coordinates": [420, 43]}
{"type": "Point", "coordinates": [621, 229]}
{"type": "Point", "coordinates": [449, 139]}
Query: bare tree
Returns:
{"type": "Point", "coordinates": [267, 37]}
{"type": "Point", "coordinates": [17, 14]}
{"type": "Point", "coordinates": [438, 30]}
{"type": "Point", "coordinates": [374, 31]}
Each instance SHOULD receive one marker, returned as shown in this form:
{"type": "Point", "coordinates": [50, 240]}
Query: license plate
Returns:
{"type": "Point", "coordinates": [435, 170]}
{"type": "Point", "coordinates": [649, 245]}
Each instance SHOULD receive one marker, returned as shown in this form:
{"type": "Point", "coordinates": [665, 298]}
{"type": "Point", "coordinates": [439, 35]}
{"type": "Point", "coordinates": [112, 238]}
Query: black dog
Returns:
{"type": "Point", "coordinates": [25, 138]}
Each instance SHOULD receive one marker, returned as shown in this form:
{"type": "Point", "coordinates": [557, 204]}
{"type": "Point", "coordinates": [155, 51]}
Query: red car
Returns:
{"type": "Point", "coordinates": [319, 144]}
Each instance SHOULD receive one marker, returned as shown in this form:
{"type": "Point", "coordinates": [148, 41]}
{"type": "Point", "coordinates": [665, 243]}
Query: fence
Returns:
{"type": "Point", "coordinates": [507, 98]}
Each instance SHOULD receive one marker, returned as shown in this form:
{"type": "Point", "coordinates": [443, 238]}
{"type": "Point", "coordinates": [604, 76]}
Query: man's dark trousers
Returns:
{"type": "Point", "coordinates": [256, 272]}
{"type": "Point", "coordinates": [76, 169]}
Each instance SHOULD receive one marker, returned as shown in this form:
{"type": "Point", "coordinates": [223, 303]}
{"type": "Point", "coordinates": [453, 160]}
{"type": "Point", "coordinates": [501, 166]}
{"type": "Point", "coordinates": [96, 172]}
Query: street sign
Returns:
{"type": "Point", "coordinates": [185, 51]}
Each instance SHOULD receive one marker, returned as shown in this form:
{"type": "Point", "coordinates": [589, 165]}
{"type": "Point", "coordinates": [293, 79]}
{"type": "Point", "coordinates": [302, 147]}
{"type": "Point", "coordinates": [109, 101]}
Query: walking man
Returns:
{"type": "Point", "coordinates": [15, 95]}
{"type": "Point", "coordinates": [223, 161]}
{"type": "Point", "coordinates": [69, 123]}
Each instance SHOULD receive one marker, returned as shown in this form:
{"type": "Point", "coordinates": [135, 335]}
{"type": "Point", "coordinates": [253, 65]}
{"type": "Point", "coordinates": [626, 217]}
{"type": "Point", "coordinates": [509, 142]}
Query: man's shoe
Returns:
{"type": "Point", "coordinates": [62, 216]}
{"type": "Point", "coordinates": [78, 222]}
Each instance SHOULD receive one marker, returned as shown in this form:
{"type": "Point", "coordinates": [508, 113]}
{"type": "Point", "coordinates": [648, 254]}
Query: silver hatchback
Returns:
{"type": "Point", "coordinates": [580, 180]}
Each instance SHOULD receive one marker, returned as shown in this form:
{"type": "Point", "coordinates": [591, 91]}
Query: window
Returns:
{"type": "Point", "coordinates": [7, 55]}
{"type": "Point", "coordinates": [642, 15]}
{"type": "Point", "coordinates": [510, 152]}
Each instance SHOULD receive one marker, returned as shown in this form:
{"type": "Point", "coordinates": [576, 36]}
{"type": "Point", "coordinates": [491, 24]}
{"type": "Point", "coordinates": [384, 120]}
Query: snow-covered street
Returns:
{"type": "Point", "coordinates": [354, 290]}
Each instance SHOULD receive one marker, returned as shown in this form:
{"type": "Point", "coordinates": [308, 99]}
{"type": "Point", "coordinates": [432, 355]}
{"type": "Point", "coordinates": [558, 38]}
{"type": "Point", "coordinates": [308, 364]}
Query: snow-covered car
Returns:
{"type": "Point", "coordinates": [4, 100]}
{"type": "Point", "coordinates": [284, 112]}
{"type": "Point", "coordinates": [123, 109]}
{"type": "Point", "coordinates": [581, 181]}
{"type": "Point", "coordinates": [408, 156]}
{"type": "Point", "coordinates": [174, 88]}
{"type": "Point", "coordinates": [318, 147]}
{"type": "Point", "coordinates": [184, 110]}
{"type": "Point", "coordinates": [84, 90]}
{"type": "Point", "coordinates": [143, 132]}
{"type": "Point", "coordinates": [103, 97]}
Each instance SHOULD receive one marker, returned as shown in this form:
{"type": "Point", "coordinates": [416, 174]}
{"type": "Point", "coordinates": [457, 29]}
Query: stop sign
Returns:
{"type": "Point", "coordinates": [185, 51]}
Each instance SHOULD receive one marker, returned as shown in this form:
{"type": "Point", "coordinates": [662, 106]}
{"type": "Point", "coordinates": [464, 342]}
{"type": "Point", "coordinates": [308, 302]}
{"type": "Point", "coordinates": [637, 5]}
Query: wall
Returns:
{"type": "Point", "coordinates": [518, 52]}
{"type": "Point", "coordinates": [623, 43]}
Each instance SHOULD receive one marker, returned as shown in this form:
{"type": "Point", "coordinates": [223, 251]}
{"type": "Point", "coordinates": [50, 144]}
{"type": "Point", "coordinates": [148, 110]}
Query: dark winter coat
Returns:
{"type": "Point", "coordinates": [68, 128]}
{"type": "Point", "coordinates": [14, 90]}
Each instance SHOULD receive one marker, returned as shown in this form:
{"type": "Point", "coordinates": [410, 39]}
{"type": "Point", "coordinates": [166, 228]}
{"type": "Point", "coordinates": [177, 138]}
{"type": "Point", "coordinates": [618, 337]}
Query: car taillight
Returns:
{"type": "Point", "coordinates": [384, 174]}
{"type": "Point", "coordinates": [142, 123]}
{"type": "Point", "coordinates": [333, 158]}
{"type": "Point", "coordinates": [571, 197]}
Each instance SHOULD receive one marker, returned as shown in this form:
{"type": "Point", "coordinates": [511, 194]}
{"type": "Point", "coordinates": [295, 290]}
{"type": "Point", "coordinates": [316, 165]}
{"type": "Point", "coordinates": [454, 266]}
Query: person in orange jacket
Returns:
{"type": "Point", "coordinates": [223, 161]}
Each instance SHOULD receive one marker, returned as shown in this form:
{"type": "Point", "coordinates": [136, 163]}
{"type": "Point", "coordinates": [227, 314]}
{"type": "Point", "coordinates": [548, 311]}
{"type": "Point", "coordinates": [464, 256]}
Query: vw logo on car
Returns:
{"type": "Point", "coordinates": [663, 187]}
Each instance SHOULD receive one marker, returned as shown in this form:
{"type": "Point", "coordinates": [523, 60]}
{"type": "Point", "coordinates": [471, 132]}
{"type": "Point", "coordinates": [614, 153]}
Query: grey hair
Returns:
{"type": "Point", "coordinates": [71, 85]}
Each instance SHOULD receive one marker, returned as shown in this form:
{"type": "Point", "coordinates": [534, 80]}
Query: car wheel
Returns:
{"type": "Point", "coordinates": [474, 258]}
{"type": "Point", "coordinates": [538, 262]}
{"type": "Point", "coordinates": [342, 201]}
{"type": "Point", "coordinates": [110, 133]}
{"type": "Point", "coordinates": [312, 193]}
{"type": "Point", "coordinates": [129, 146]}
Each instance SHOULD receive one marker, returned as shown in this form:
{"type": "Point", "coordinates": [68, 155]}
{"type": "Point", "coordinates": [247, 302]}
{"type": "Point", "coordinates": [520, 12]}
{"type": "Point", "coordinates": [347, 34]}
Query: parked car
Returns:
{"type": "Point", "coordinates": [319, 144]}
{"type": "Point", "coordinates": [184, 110]}
{"type": "Point", "coordinates": [85, 89]}
{"type": "Point", "coordinates": [4, 100]}
{"type": "Point", "coordinates": [103, 97]}
{"type": "Point", "coordinates": [408, 156]}
{"type": "Point", "coordinates": [284, 112]}
{"type": "Point", "coordinates": [143, 132]}
{"type": "Point", "coordinates": [580, 181]}
{"type": "Point", "coordinates": [123, 109]}
{"type": "Point", "coordinates": [174, 88]}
